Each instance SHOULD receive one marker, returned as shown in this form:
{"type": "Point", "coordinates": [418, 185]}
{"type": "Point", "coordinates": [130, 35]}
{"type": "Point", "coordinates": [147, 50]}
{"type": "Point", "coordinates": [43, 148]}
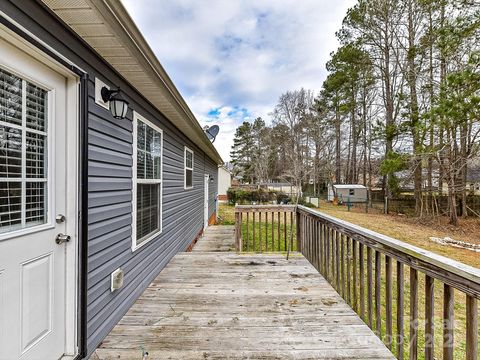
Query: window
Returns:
{"type": "Point", "coordinates": [147, 181]}
{"type": "Point", "coordinates": [188, 165]}
{"type": "Point", "coordinates": [351, 192]}
{"type": "Point", "coordinates": [23, 153]}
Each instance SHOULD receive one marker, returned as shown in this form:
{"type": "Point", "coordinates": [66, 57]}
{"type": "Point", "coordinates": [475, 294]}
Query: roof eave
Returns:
{"type": "Point", "coordinates": [126, 21]}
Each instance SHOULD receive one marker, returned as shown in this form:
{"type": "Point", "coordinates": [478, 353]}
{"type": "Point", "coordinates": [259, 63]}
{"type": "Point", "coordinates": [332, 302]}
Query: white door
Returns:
{"type": "Point", "coordinates": [205, 201]}
{"type": "Point", "coordinates": [33, 189]}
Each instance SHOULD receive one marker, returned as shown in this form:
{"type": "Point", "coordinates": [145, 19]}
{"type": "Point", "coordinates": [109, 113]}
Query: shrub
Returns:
{"type": "Point", "coordinates": [261, 196]}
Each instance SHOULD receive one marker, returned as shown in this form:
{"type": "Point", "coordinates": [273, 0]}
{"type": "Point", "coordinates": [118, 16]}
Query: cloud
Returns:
{"type": "Point", "coordinates": [231, 60]}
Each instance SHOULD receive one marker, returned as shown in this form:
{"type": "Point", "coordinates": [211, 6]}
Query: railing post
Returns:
{"type": "Point", "coordinates": [299, 240]}
{"type": "Point", "coordinates": [238, 232]}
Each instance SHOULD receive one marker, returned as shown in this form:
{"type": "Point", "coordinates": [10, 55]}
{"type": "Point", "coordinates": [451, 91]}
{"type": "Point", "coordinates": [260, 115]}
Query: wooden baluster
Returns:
{"type": "Point", "coordinates": [253, 235]}
{"type": "Point", "coordinates": [266, 230]}
{"type": "Point", "coordinates": [349, 264]}
{"type": "Point", "coordinates": [388, 301]}
{"type": "Point", "coordinates": [334, 257]}
{"type": "Point", "coordinates": [322, 249]}
{"type": "Point", "coordinates": [312, 243]}
{"type": "Point", "coordinates": [318, 246]}
{"type": "Point", "coordinates": [310, 233]}
{"type": "Point", "coordinates": [273, 231]}
{"type": "Point", "coordinates": [370, 286]}
{"type": "Point", "coordinates": [309, 239]}
{"type": "Point", "coordinates": [361, 259]}
{"type": "Point", "coordinates": [378, 284]}
{"type": "Point", "coordinates": [429, 317]}
{"type": "Point", "coordinates": [291, 231]}
{"type": "Point", "coordinates": [285, 229]}
{"type": "Point", "coordinates": [448, 319]}
{"type": "Point", "coordinates": [327, 264]}
{"type": "Point", "coordinates": [354, 265]}
{"type": "Point", "coordinates": [305, 236]}
{"type": "Point", "coordinates": [298, 232]}
{"type": "Point", "coordinates": [337, 258]}
{"type": "Point", "coordinates": [342, 265]}
{"type": "Point", "coordinates": [472, 328]}
{"type": "Point", "coordinates": [248, 231]}
{"type": "Point", "coordinates": [237, 231]}
{"type": "Point", "coordinates": [400, 310]}
{"type": "Point", "coordinates": [278, 230]}
{"type": "Point", "coordinates": [413, 314]}
{"type": "Point", "coordinates": [241, 232]}
{"type": "Point", "coordinates": [260, 231]}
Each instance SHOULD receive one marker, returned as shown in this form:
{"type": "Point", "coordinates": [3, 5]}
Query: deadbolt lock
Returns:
{"type": "Point", "coordinates": [62, 238]}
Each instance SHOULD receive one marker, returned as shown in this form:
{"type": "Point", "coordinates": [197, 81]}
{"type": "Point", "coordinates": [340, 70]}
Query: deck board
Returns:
{"type": "Point", "coordinates": [212, 303]}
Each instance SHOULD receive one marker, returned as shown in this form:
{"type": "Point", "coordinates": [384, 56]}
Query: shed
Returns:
{"type": "Point", "coordinates": [106, 193]}
{"type": "Point", "coordinates": [349, 192]}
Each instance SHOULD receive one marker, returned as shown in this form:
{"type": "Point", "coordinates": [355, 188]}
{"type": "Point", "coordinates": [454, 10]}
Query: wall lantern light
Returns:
{"type": "Point", "coordinates": [211, 178]}
{"type": "Point", "coordinates": [117, 104]}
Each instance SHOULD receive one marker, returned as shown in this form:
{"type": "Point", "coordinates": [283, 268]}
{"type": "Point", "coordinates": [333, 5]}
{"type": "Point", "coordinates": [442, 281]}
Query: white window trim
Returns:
{"type": "Point", "coordinates": [135, 246]}
{"type": "Point", "coordinates": [185, 168]}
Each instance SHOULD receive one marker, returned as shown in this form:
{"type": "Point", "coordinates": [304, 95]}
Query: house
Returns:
{"type": "Point", "coordinates": [284, 187]}
{"type": "Point", "coordinates": [96, 196]}
{"type": "Point", "coordinates": [353, 193]}
{"type": "Point", "coordinates": [224, 182]}
{"type": "Point", "coordinates": [473, 181]}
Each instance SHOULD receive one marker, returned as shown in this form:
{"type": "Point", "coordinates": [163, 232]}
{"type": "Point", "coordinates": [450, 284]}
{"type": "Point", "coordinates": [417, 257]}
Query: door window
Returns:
{"type": "Point", "coordinates": [23, 153]}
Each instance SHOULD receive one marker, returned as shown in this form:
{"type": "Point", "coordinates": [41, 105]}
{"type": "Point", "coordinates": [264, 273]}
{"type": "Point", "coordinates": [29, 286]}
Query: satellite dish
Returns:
{"type": "Point", "coordinates": [212, 132]}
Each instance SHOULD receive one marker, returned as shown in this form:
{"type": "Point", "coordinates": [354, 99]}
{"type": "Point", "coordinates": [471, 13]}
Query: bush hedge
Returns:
{"type": "Point", "coordinates": [261, 196]}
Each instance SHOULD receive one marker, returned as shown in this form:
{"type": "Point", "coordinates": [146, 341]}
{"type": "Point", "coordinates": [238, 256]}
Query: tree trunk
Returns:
{"type": "Point", "coordinates": [389, 105]}
{"type": "Point", "coordinates": [412, 83]}
{"type": "Point", "coordinates": [338, 164]}
{"type": "Point", "coordinates": [430, 203]}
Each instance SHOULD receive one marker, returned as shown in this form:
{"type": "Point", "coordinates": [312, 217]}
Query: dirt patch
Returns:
{"type": "Point", "coordinates": [329, 302]}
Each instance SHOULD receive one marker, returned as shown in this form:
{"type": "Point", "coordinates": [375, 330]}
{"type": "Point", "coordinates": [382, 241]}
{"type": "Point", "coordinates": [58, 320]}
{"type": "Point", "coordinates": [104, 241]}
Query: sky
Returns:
{"type": "Point", "coordinates": [232, 59]}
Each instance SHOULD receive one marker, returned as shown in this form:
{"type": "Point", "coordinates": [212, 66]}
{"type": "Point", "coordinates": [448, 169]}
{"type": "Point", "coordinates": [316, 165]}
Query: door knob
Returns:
{"type": "Point", "coordinates": [60, 218]}
{"type": "Point", "coordinates": [62, 238]}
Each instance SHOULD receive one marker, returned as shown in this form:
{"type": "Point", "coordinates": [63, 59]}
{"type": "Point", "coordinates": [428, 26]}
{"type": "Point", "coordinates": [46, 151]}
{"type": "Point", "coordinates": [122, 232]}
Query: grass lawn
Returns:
{"type": "Point", "coordinates": [414, 231]}
{"type": "Point", "coordinates": [409, 230]}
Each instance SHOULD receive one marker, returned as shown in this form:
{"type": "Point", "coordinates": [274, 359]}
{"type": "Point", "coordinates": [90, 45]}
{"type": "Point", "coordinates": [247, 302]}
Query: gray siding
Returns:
{"type": "Point", "coordinates": [110, 185]}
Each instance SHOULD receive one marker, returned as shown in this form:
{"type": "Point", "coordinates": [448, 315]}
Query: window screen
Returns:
{"type": "Point", "coordinates": [188, 168]}
{"type": "Point", "coordinates": [23, 153]}
{"type": "Point", "coordinates": [148, 182]}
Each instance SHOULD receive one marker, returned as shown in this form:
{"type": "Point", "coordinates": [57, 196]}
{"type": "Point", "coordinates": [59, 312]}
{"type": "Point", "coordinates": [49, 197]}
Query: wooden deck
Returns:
{"type": "Point", "coordinates": [215, 304]}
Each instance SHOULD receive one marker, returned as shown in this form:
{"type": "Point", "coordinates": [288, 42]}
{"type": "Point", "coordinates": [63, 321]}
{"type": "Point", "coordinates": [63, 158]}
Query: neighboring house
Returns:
{"type": "Point", "coordinates": [473, 181]}
{"type": "Point", "coordinates": [92, 207]}
{"type": "Point", "coordinates": [348, 192]}
{"type": "Point", "coordinates": [286, 187]}
{"type": "Point", "coordinates": [224, 182]}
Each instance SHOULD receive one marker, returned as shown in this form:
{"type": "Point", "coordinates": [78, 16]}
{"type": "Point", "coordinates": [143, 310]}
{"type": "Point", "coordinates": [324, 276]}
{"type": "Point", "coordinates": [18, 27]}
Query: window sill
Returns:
{"type": "Point", "coordinates": [151, 237]}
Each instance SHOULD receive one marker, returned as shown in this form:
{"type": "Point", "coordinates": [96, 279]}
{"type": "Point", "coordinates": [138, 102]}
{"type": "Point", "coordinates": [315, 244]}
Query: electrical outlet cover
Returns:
{"type": "Point", "coordinates": [116, 280]}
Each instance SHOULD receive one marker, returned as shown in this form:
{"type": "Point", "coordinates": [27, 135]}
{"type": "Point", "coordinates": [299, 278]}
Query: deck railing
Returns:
{"type": "Point", "coordinates": [263, 228]}
{"type": "Point", "coordinates": [350, 258]}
